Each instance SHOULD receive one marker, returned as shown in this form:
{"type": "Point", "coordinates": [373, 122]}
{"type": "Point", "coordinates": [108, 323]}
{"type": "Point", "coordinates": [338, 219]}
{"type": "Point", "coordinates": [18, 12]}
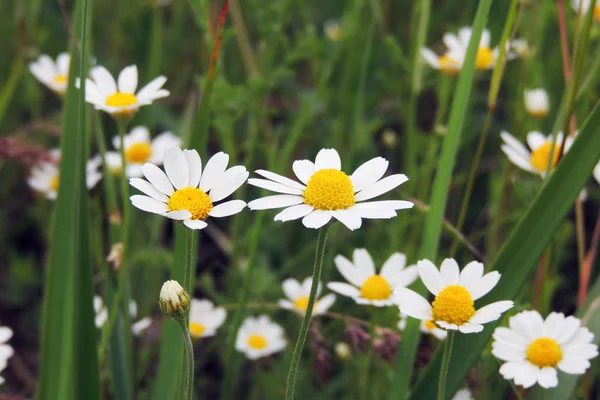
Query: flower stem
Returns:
{"type": "Point", "coordinates": [318, 267]}
{"type": "Point", "coordinates": [189, 273]}
{"type": "Point", "coordinates": [188, 392]}
{"type": "Point", "coordinates": [445, 364]}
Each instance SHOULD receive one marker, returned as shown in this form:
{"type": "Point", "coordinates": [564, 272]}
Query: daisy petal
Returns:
{"type": "Point", "coordinates": [291, 289]}
{"type": "Point", "coordinates": [316, 219]}
{"type": "Point", "coordinates": [149, 189]}
{"type": "Point", "coordinates": [276, 201]}
{"type": "Point", "coordinates": [491, 312]}
{"type": "Point", "coordinates": [363, 261]}
{"type": "Point", "coordinates": [303, 170]}
{"type": "Point", "coordinates": [215, 167]}
{"type": "Point", "coordinates": [372, 212]}
{"type": "Point", "coordinates": [228, 208]}
{"type": "Point", "coordinates": [274, 186]}
{"type": "Point", "coordinates": [157, 178]}
{"type": "Point", "coordinates": [535, 140]}
{"type": "Point", "coordinates": [354, 275]}
{"type": "Point", "coordinates": [280, 179]}
{"type": "Point", "coordinates": [176, 167]}
{"type": "Point", "coordinates": [430, 57]}
{"type": "Point", "coordinates": [430, 276]}
{"type": "Point", "coordinates": [328, 159]}
{"type": "Point", "coordinates": [104, 80]}
{"type": "Point", "coordinates": [548, 377]}
{"type": "Point", "coordinates": [195, 224]}
{"type": "Point", "coordinates": [231, 181]}
{"type": "Point", "coordinates": [470, 328]}
{"type": "Point", "coordinates": [412, 304]}
{"type": "Point", "coordinates": [151, 88]}
{"type": "Point", "coordinates": [449, 271]}
{"type": "Point", "coordinates": [179, 215]}
{"type": "Point", "coordinates": [128, 79]}
{"type": "Point", "coordinates": [486, 283]}
{"type": "Point", "coordinates": [149, 204]}
{"type": "Point", "coordinates": [344, 289]}
{"type": "Point", "coordinates": [471, 275]}
{"type": "Point", "coordinates": [383, 186]}
{"type": "Point", "coordinates": [194, 167]}
{"type": "Point", "coordinates": [294, 212]}
{"type": "Point", "coordinates": [348, 218]}
{"type": "Point", "coordinates": [369, 173]}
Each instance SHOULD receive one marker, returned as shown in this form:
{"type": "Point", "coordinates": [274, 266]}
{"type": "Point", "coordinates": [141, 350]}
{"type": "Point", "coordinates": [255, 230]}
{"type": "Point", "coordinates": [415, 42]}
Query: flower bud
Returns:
{"type": "Point", "coordinates": [174, 300]}
{"type": "Point", "coordinates": [343, 351]}
{"type": "Point", "coordinates": [537, 102]}
{"type": "Point", "coordinates": [115, 257]}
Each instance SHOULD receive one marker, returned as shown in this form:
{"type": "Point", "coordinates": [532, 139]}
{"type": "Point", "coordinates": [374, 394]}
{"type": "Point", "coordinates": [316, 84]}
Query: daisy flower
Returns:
{"type": "Point", "coordinates": [55, 75]}
{"type": "Point", "coordinates": [260, 337]}
{"type": "Point", "coordinates": [102, 316]}
{"type": "Point", "coordinates": [119, 98]}
{"type": "Point", "coordinates": [186, 193]}
{"type": "Point", "coordinates": [6, 351]}
{"type": "Point", "coordinates": [297, 297]}
{"type": "Point", "coordinates": [451, 62]}
{"type": "Point", "coordinates": [520, 47]}
{"type": "Point", "coordinates": [333, 31]}
{"type": "Point", "coordinates": [427, 327]}
{"type": "Point", "coordinates": [455, 293]}
{"type": "Point", "coordinates": [139, 149]}
{"type": "Point", "coordinates": [326, 192]}
{"type": "Point", "coordinates": [365, 285]}
{"type": "Point", "coordinates": [205, 319]}
{"type": "Point", "coordinates": [44, 175]}
{"type": "Point", "coordinates": [534, 161]}
{"type": "Point", "coordinates": [537, 103]}
{"type": "Point", "coordinates": [533, 348]}
{"type": "Point", "coordinates": [463, 394]}
{"type": "Point", "coordinates": [585, 5]}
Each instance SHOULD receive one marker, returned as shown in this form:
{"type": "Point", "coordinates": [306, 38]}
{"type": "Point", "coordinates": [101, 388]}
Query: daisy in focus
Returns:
{"type": "Point", "coordinates": [260, 337]}
{"type": "Point", "coordinates": [455, 292]}
{"type": "Point", "coordinates": [139, 149]}
{"type": "Point", "coordinates": [427, 327]}
{"type": "Point", "coordinates": [584, 6]}
{"type": "Point", "coordinates": [120, 98]}
{"type": "Point", "coordinates": [205, 318]}
{"type": "Point", "coordinates": [186, 192]}
{"type": "Point", "coordinates": [535, 161]}
{"type": "Point", "coordinates": [6, 351]}
{"type": "Point", "coordinates": [297, 297]}
{"type": "Point", "coordinates": [44, 176]}
{"type": "Point", "coordinates": [533, 348]}
{"type": "Point", "coordinates": [537, 102]}
{"type": "Point", "coordinates": [333, 31]}
{"type": "Point", "coordinates": [102, 316]}
{"type": "Point", "coordinates": [365, 285]}
{"type": "Point", "coordinates": [55, 75]}
{"type": "Point", "coordinates": [326, 192]}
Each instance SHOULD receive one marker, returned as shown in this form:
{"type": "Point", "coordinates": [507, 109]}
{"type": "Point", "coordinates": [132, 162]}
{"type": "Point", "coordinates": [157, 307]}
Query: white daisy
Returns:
{"type": "Point", "coordinates": [205, 318]}
{"type": "Point", "coordinates": [297, 297]}
{"type": "Point", "coordinates": [139, 149]}
{"type": "Point", "coordinates": [195, 191]}
{"type": "Point", "coordinates": [102, 316]}
{"type": "Point", "coordinates": [537, 102]}
{"type": "Point", "coordinates": [333, 30]}
{"type": "Point", "coordinates": [44, 175]}
{"type": "Point", "coordinates": [326, 192]}
{"type": "Point", "coordinates": [597, 172]}
{"type": "Point", "coordinates": [55, 75]}
{"type": "Point", "coordinates": [119, 98]}
{"type": "Point", "coordinates": [585, 6]}
{"type": "Point", "coordinates": [534, 348]}
{"type": "Point", "coordinates": [534, 161]}
{"type": "Point", "coordinates": [455, 292]}
{"type": "Point", "coordinates": [427, 327]}
{"type": "Point", "coordinates": [520, 47]}
{"type": "Point", "coordinates": [463, 394]}
{"type": "Point", "coordinates": [368, 287]}
{"type": "Point", "coordinates": [451, 62]}
{"type": "Point", "coordinates": [260, 337]}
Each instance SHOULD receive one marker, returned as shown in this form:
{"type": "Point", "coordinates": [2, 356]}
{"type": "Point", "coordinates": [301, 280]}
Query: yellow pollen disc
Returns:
{"type": "Point", "coordinates": [58, 79]}
{"type": "Point", "coordinates": [329, 189]}
{"type": "Point", "coordinates": [485, 58]}
{"type": "Point", "coordinates": [138, 152]}
{"type": "Point", "coordinates": [121, 99]}
{"type": "Point", "coordinates": [544, 352]}
{"type": "Point", "coordinates": [453, 305]}
{"type": "Point", "coordinates": [597, 13]}
{"type": "Point", "coordinates": [54, 183]}
{"type": "Point", "coordinates": [192, 199]}
{"type": "Point", "coordinates": [430, 325]}
{"type": "Point", "coordinates": [196, 329]}
{"type": "Point", "coordinates": [376, 287]}
{"type": "Point", "coordinates": [257, 342]}
{"type": "Point", "coordinates": [449, 65]}
{"type": "Point", "coordinates": [540, 156]}
{"type": "Point", "coordinates": [301, 303]}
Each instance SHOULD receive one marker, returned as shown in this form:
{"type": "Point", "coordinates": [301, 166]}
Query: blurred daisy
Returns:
{"type": "Point", "coordinates": [427, 327]}
{"type": "Point", "coordinates": [195, 191]}
{"type": "Point", "coordinates": [597, 172]}
{"type": "Point", "coordinates": [205, 319]}
{"type": "Point", "coordinates": [326, 192]}
{"type": "Point", "coordinates": [534, 348]}
{"type": "Point", "coordinates": [260, 337]}
{"type": "Point", "coordinates": [520, 47]}
{"type": "Point", "coordinates": [463, 394]}
{"type": "Point", "coordinates": [297, 297]}
{"type": "Point", "coordinates": [102, 316]}
{"type": "Point", "coordinates": [537, 103]}
{"type": "Point", "coordinates": [119, 98]}
{"type": "Point", "coordinates": [6, 351]}
{"type": "Point", "coordinates": [534, 161]}
{"type": "Point", "coordinates": [55, 75]}
{"type": "Point", "coordinates": [44, 175]}
{"type": "Point", "coordinates": [333, 30]}
{"type": "Point", "coordinates": [455, 292]}
{"type": "Point", "coordinates": [139, 149]}
{"type": "Point", "coordinates": [368, 287]}
{"type": "Point", "coordinates": [584, 5]}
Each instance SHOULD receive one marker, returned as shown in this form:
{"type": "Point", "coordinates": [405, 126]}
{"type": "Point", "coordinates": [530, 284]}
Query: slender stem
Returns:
{"type": "Point", "coordinates": [317, 268]}
{"type": "Point", "coordinates": [189, 251]}
{"type": "Point", "coordinates": [445, 364]}
{"type": "Point", "coordinates": [188, 392]}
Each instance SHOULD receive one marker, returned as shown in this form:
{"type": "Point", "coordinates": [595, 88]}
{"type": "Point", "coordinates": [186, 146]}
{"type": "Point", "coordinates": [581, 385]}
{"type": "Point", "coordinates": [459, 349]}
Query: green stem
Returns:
{"type": "Point", "coordinates": [188, 391]}
{"type": "Point", "coordinates": [189, 273]}
{"type": "Point", "coordinates": [316, 277]}
{"type": "Point", "coordinates": [445, 364]}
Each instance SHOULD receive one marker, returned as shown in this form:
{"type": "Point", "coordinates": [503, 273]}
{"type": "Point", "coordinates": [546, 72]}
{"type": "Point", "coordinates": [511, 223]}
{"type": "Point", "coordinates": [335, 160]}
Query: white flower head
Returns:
{"type": "Point", "coordinates": [333, 30]}
{"type": "Point", "coordinates": [186, 192]}
{"type": "Point", "coordinates": [297, 297]}
{"type": "Point", "coordinates": [326, 192]}
{"type": "Point", "coordinates": [597, 172]}
{"type": "Point", "coordinates": [455, 292]}
{"type": "Point", "coordinates": [533, 348]}
{"type": "Point", "coordinates": [102, 316]}
{"type": "Point", "coordinates": [365, 285]}
{"type": "Point", "coordinates": [120, 98]}
{"type": "Point", "coordinates": [463, 394]}
{"type": "Point", "coordinates": [205, 318]}
{"type": "Point", "coordinates": [174, 300]}
{"type": "Point", "coordinates": [260, 337]}
{"type": "Point", "coordinates": [584, 6]}
{"type": "Point", "coordinates": [520, 47]}
{"type": "Point", "coordinates": [44, 176]}
{"type": "Point", "coordinates": [55, 75]}
{"type": "Point", "coordinates": [537, 102]}
{"type": "Point", "coordinates": [139, 149]}
{"type": "Point", "coordinates": [535, 161]}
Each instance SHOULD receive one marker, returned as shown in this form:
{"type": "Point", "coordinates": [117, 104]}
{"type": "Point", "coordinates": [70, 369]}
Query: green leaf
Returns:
{"type": "Point", "coordinates": [518, 257]}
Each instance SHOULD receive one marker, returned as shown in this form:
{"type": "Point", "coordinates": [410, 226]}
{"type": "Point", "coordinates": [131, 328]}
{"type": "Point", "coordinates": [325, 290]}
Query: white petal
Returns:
{"type": "Point", "coordinates": [280, 179]}
{"type": "Point", "coordinates": [574, 365]}
{"type": "Point", "coordinates": [510, 337]}
{"type": "Point", "coordinates": [149, 204]}
{"type": "Point", "coordinates": [553, 324]}
{"type": "Point", "coordinates": [325, 303]}
{"type": "Point", "coordinates": [404, 278]}
{"type": "Point", "coordinates": [292, 290]}
{"type": "Point", "coordinates": [294, 212]}
{"type": "Point", "coordinates": [363, 261]}
{"type": "Point", "coordinates": [430, 276]}
{"type": "Point", "coordinates": [140, 326]}
{"type": "Point", "coordinates": [452, 43]}
{"type": "Point", "coordinates": [569, 328]}
{"type": "Point", "coordinates": [447, 325]}
{"type": "Point", "coordinates": [274, 186]}
{"type": "Point", "coordinates": [449, 271]}
{"type": "Point", "coordinates": [471, 275]}
{"type": "Point", "coordinates": [276, 201]}
{"type": "Point", "coordinates": [485, 39]}
{"type": "Point", "coordinates": [491, 312]}
{"type": "Point", "coordinates": [303, 170]}
{"type": "Point", "coordinates": [328, 159]}
{"type": "Point", "coordinates": [230, 181]}
{"type": "Point", "coordinates": [194, 167]}
{"type": "Point", "coordinates": [157, 178]}
{"type": "Point", "coordinates": [369, 173]}
{"type": "Point", "coordinates": [470, 328]}
{"type": "Point", "coordinates": [228, 208]}
{"type": "Point", "coordinates": [348, 218]}
{"type": "Point", "coordinates": [354, 275]}
{"type": "Point", "coordinates": [344, 289]}
{"type": "Point", "coordinates": [485, 284]}
{"type": "Point", "coordinates": [151, 89]}
{"type": "Point", "coordinates": [104, 80]}
{"type": "Point", "coordinates": [179, 215]}
{"type": "Point", "coordinates": [128, 79]}
{"type": "Point", "coordinates": [518, 159]}
{"type": "Point", "coordinates": [214, 169]}
{"type": "Point", "coordinates": [548, 378]}
{"type": "Point", "coordinates": [6, 333]}
{"type": "Point", "coordinates": [62, 63]}
{"type": "Point", "coordinates": [393, 265]}
{"type": "Point", "coordinates": [506, 352]}
{"type": "Point", "coordinates": [412, 304]}
{"type": "Point", "coordinates": [514, 144]}
{"type": "Point", "coordinates": [195, 224]}
{"type": "Point", "coordinates": [430, 57]}
{"type": "Point", "coordinates": [316, 219]}
{"type": "Point", "coordinates": [365, 211]}
{"type": "Point", "coordinates": [383, 186]}
{"type": "Point", "coordinates": [535, 139]}
{"type": "Point", "coordinates": [528, 375]}
{"type": "Point", "coordinates": [386, 204]}
{"type": "Point", "coordinates": [147, 188]}
{"type": "Point", "coordinates": [176, 167]}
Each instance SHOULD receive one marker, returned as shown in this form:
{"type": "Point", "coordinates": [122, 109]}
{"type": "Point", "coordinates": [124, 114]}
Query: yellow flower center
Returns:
{"type": "Point", "coordinates": [544, 352]}
{"type": "Point", "coordinates": [54, 183]}
{"type": "Point", "coordinates": [60, 79]}
{"type": "Point", "coordinates": [375, 287]}
{"type": "Point", "coordinates": [257, 342]}
{"type": "Point", "coordinates": [485, 58]}
{"type": "Point", "coordinates": [192, 199]}
{"type": "Point", "coordinates": [138, 152]}
{"type": "Point", "coordinates": [453, 305]}
{"type": "Point", "coordinates": [334, 33]}
{"type": "Point", "coordinates": [449, 65]}
{"type": "Point", "coordinates": [329, 189]}
{"type": "Point", "coordinates": [430, 325]}
{"type": "Point", "coordinates": [301, 303]}
{"type": "Point", "coordinates": [121, 99]}
{"type": "Point", "coordinates": [196, 329]}
{"type": "Point", "coordinates": [540, 156]}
